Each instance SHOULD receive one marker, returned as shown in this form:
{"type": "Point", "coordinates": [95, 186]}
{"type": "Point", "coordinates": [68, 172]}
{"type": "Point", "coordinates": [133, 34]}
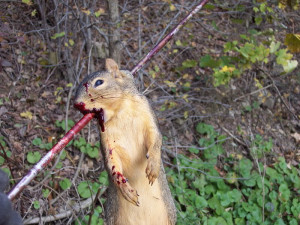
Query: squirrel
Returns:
{"type": "Point", "coordinates": [138, 192]}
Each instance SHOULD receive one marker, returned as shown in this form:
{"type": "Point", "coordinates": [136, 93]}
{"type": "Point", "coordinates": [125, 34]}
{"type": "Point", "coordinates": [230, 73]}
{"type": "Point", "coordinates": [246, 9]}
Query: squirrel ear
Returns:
{"type": "Point", "coordinates": [111, 66]}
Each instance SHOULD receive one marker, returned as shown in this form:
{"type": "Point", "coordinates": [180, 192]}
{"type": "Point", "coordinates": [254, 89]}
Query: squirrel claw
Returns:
{"type": "Point", "coordinates": [129, 193]}
{"type": "Point", "coordinates": [152, 170]}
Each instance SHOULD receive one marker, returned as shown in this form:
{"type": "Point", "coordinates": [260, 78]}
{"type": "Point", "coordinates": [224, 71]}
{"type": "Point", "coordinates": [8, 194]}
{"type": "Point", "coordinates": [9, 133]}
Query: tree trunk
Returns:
{"type": "Point", "coordinates": [114, 32]}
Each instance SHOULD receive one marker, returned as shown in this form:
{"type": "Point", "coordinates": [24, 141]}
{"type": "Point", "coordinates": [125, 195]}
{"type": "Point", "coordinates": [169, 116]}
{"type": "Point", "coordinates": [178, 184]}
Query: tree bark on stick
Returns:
{"type": "Point", "coordinates": [114, 44]}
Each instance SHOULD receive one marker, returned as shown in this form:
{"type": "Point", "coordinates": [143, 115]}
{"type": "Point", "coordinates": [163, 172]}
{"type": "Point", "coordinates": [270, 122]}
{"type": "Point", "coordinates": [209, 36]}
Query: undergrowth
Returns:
{"type": "Point", "coordinates": [210, 188]}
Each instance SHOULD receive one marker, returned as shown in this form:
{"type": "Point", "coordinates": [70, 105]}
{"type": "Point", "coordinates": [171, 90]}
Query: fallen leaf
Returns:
{"type": "Point", "coordinates": [27, 115]}
{"type": "Point", "coordinates": [3, 110]}
{"type": "Point", "coordinates": [296, 136]}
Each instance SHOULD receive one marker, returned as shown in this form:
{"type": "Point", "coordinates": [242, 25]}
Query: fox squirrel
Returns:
{"type": "Point", "coordinates": [131, 146]}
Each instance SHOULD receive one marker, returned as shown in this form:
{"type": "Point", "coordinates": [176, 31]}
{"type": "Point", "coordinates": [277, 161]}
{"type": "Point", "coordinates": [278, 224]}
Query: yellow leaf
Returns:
{"type": "Point", "coordinates": [33, 13]}
{"type": "Point", "coordinates": [185, 97]}
{"type": "Point", "coordinates": [99, 12]}
{"type": "Point", "coordinates": [172, 7]}
{"type": "Point", "coordinates": [186, 114]}
{"type": "Point", "coordinates": [292, 41]}
{"type": "Point", "coordinates": [27, 2]}
{"type": "Point", "coordinates": [86, 11]}
{"type": "Point", "coordinates": [27, 115]}
{"type": "Point", "coordinates": [227, 69]}
{"type": "Point", "coordinates": [170, 84]}
{"type": "Point", "coordinates": [71, 42]}
{"type": "Point", "coordinates": [185, 76]}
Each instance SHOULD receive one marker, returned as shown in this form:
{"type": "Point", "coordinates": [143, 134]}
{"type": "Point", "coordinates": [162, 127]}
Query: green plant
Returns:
{"type": "Point", "coordinates": [95, 220]}
{"type": "Point", "coordinates": [38, 142]}
{"type": "Point", "coordinates": [87, 188]}
{"type": "Point", "coordinates": [36, 204]}
{"type": "Point", "coordinates": [83, 146]}
{"type": "Point", "coordinates": [233, 192]}
{"type": "Point", "coordinates": [253, 49]}
{"type": "Point", "coordinates": [3, 150]}
{"type": "Point", "coordinates": [46, 193]}
{"type": "Point", "coordinates": [65, 184]}
{"type": "Point", "coordinates": [33, 157]}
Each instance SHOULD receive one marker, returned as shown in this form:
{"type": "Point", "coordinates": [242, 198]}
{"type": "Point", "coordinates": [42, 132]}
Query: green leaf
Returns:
{"type": "Point", "coordinates": [269, 206]}
{"type": "Point", "coordinates": [58, 35]}
{"type": "Point", "coordinates": [33, 157]}
{"type": "Point", "coordinates": [216, 221]}
{"type": "Point", "coordinates": [207, 61]}
{"type": "Point", "coordinates": [200, 202]}
{"type": "Point", "coordinates": [93, 152]}
{"type": "Point", "coordinates": [203, 128]}
{"type": "Point", "coordinates": [36, 204]}
{"type": "Point", "coordinates": [84, 189]}
{"type": "Point", "coordinates": [284, 192]}
{"type": "Point", "coordinates": [65, 184]}
{"type": "Point", "coordinates": [235, 195]}
{"type": "Point", "coordinates": [103, 178]}
{"type": "Point", "coordinates": [245, 167]}
{"type": "Point", "coordinates": [258, 20]}
{"type": "Point", "coordinates": [46, 193]}
{"type": "Point", "coordinates": [37, 141]}
{"type": "Point", "coordinates": [189, 63]}
{"type": "Point", "coordinates": [290, 66]}
{"type": "Point", "coordinates": [194, 150]}
{"type": "Point", "coordinates": [274, 46]}
{"type": "Point", "coordinates": [283, 57]}
{"type": "Point", "coordinates": [27, 2]}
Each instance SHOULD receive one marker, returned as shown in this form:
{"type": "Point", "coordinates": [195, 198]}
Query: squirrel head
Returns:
{"type": "Point", "coordinates": [104, 90]}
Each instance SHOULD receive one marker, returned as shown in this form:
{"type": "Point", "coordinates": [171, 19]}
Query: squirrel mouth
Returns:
{"type": "Point", "coordinates": [98, 113]}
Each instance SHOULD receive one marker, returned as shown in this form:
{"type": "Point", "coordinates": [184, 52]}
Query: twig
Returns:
{"type": "Point", "coordinates": [266, 87]}
{"type": "Point", "coordinates": [280, 96]}
{"type": "Point", "coordinates": [77, 208]}
{"type": "Point", "coordinates": [234, 137]}
{"type": "Point", "coordinates": [163, 42]}
{"type": "Point", "coordinates": [73, 180]}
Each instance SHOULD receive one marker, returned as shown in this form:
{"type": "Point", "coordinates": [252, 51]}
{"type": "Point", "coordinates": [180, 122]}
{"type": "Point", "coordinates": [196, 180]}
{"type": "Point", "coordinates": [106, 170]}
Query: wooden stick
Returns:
{"type": "Point", "coordinates": [50, 155]}
{"type": "Point", "coordinates": [167, 38]}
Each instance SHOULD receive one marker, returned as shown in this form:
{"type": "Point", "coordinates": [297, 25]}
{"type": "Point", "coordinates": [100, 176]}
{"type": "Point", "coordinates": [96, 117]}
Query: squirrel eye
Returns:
{"type": "Point", "coordinates": [98, 82]}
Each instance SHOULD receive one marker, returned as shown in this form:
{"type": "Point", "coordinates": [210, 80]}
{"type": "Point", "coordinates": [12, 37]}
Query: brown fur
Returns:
{"type": "Point", "coordinates": [131, 146]}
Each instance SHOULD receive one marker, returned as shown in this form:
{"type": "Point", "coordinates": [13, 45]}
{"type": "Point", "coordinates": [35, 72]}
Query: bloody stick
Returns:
{"type": "Point", "coordinates": [167, 38]}
{"type": "Point", "coordinates": [87, 117]}
{"type": "Point", "coordinates": [50, 155]}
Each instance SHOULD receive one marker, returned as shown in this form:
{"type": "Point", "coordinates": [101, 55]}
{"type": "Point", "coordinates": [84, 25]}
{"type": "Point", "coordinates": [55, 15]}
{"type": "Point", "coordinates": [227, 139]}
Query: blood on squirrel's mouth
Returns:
{"type": "Point", "coordinates": [99, 113]}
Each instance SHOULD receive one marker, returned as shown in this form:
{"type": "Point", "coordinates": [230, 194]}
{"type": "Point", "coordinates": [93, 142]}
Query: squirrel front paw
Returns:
{"type": "Point", "coordinates": [152, 169]}
{"type": "Point", "coordinates": [129, 193]}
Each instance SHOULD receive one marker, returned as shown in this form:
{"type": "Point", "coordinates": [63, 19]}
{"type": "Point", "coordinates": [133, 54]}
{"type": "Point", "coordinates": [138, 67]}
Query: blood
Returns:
{"type": "Point", "coordinates": [99, 113]}
{"type": "Point", "coordinates": [113, 167]}
{"type": "Point", "coordinates": [124, 181]}
{"type": "Point", "coordinates": [86, 86]}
